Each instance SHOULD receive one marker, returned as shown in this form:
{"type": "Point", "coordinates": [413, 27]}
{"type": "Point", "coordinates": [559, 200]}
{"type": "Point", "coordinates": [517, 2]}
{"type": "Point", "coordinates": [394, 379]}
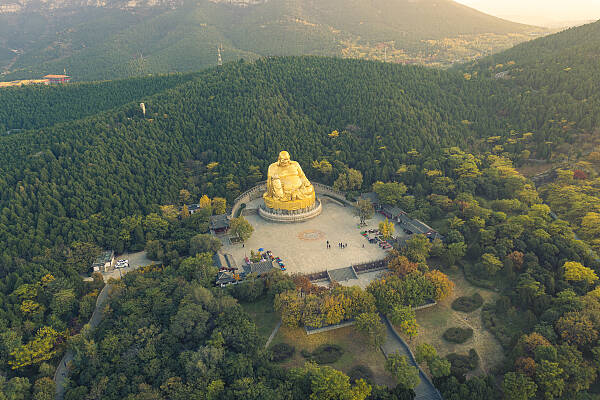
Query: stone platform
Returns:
{"type": "Point", "coordinates": [285, 216]}
{"type": "Point", "coordinates": [303, 246]}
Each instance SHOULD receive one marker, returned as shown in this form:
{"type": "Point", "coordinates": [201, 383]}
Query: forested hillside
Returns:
{"type": "Point", "coordinates": [70, 188]}
{"type": "Point", "coordinates": [558, 82]}
{"type": "Point", "coordinates": [231, 121]}
{"type": "Point", "coordinates": [558, 85]}
{"type": "Point", "coordinates": [31, 107]}
{"type": "Point", "coordinates": [114, 180]}
{"type": "Point", "coordinates": [106, 43]}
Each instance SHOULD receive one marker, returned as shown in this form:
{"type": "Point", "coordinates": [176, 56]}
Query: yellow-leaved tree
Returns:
{"type": "Point", "coordinates": [386, 228]}
{"type": "Point", "coordinates": [575, 271]}
{"type": "Point", "coordinates": [204, 201]}
{"type": "Point", "coordinates": [40, 348]}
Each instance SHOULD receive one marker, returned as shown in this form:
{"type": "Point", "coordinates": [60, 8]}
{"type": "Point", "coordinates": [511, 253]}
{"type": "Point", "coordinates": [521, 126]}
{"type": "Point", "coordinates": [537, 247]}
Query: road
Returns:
{"type": "Point", "coordinates": [395, 344]}
{"type": "Point", "coordinates": [136, 260]}
{"type": "Point", "coordinates": [62, 371]}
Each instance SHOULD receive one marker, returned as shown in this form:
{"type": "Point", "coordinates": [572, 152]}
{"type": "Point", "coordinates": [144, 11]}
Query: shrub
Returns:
{"type": "Point", "coordinates": [468, 304]}
{"type": "Point", "coordinates": [281, 352]}
{"type": "Point", "coordinates": [462, 363]}
{"type": "Point", "coordinates": [361, 372]}
{"type": "Point", "coordinates": [324, 354]}
{"type": "Point", "coordinates": [458, 335]}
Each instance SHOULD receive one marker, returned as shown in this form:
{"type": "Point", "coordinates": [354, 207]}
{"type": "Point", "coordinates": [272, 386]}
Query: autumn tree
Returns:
{"type": "Point", "coordinates": [324, 167]}
{"type": "Point", "coordinates": [576, 328]}
{"type": "Point", "coordinates": [525, 365]}
{"type": "Point", "coordinates": [40, 348]}
{"type": "Point", "coordinates": [405, 319]}
{"type": "Point", "coordinates": [575, 271]}
{"type": "Point", "coordinates": [185, 212]}
{"type": "Point", "coordinates": [516, 258]}
{"type": "Point", "coordinates": [219, 205]}
{"type": "Point", "coordinates": [204, 202]}
{"type": "Point", "coordinates": [443, 285]}
{"type": "Point", "coordinates": [386, 228]}
{"type": "Point", "coordinates": [370, 325]}
{"type": "Point", "coordinates": [290, 306]}
{"type": "Point", "coordinates": [402, 266]}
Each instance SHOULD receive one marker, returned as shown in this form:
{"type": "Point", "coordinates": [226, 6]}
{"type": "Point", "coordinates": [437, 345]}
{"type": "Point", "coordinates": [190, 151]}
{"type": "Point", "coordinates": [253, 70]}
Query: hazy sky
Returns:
{"type": "Point", "coordinates": [539, 10]}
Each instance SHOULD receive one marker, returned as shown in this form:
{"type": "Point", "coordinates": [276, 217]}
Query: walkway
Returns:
{"type": "Point", "coordinates": [275, 330]}
{"type": "Point", "coordinates": [395, 344]}
{"type": "Point", "coordinates": [62, 371]}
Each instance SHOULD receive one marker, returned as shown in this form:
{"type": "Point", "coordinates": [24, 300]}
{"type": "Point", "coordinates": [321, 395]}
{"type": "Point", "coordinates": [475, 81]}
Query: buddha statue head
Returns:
{"type": "Point", "coordinates": [284, 159]}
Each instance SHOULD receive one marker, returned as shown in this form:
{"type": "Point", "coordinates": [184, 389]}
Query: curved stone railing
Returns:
{"type": "Point", "coordinates": [299, 217]}
{"type": "Point", "coordinates": [258, 190]}
{"type": "Point", "coordinates": [249, 195]}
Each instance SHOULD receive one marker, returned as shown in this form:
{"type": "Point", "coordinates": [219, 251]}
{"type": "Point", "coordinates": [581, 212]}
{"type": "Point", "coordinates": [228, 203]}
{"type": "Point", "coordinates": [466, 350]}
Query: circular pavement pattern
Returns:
{"type": "Point", "coordinates": [312, 234]}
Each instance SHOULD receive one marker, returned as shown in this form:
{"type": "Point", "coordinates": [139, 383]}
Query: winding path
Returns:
{"type": "Point", "coordinates": [62, 370]}
{"type": "Point", "coordinates": [395, 344]}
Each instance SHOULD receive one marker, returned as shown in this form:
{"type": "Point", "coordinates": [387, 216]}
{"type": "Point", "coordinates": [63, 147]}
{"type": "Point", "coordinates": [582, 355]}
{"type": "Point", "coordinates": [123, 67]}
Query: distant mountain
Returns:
{"type": "Point", "coordinates": [103, 39]}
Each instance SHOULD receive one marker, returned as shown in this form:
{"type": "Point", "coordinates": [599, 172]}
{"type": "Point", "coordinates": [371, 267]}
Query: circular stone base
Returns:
{"type": "Point", "coordinates": [290, 216]}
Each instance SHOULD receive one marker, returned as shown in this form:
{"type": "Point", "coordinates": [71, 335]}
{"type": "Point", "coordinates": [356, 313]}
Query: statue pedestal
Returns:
{"type": "Point", "coordinates": [289, 216]}
{"type": "Point", "coordinates": [289, 205]}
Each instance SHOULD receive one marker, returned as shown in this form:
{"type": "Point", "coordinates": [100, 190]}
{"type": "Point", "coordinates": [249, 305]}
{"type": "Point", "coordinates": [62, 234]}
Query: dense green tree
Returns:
{"type": "Point", "coordinates": [405, 374]}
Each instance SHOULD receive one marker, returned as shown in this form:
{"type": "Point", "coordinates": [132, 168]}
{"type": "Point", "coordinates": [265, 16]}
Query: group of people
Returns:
{"type": "Point", "coordinates": [340, 245]}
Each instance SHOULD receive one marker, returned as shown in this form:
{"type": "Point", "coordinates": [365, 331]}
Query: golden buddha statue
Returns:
{"type": "Point", "coordinates": [287, 186]}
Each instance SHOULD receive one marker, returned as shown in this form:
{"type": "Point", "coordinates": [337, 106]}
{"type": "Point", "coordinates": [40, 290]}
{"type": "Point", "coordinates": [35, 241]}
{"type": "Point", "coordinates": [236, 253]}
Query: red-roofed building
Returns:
{"type": "Point", "coordinates": [54, 79]}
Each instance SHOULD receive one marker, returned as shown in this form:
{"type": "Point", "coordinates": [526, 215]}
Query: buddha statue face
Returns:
{"type": "Point", "coordinates": [284, 159]}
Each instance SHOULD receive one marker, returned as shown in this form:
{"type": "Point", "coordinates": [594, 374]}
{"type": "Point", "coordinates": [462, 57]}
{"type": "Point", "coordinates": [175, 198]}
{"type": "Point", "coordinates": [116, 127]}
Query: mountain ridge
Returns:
{"type": "Point", "coordinates": [117, 41]}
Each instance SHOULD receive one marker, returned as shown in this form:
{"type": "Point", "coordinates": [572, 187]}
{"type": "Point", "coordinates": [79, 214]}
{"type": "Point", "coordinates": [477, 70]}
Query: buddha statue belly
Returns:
{"type": "Point", "coordinates": [287, 186]}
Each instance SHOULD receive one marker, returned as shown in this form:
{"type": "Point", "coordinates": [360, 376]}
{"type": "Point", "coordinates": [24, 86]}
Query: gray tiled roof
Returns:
{"type": "Point", "coordinates": [258, 268]}
{"type": "Point", "coordinates": [219, 221]}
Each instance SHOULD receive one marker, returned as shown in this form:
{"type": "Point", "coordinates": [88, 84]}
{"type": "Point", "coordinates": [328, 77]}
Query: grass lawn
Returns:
{"type": "Point", "coordinates": [263, 315]}
{"type": "Point", "coordinates": [356, 350]}
{"type": "Point", "coordinates": [434, 321]}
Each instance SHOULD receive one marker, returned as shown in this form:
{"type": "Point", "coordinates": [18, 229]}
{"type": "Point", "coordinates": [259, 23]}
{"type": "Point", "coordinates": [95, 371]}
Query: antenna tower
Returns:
{"type": "Point", "coordinates": [219, 58]}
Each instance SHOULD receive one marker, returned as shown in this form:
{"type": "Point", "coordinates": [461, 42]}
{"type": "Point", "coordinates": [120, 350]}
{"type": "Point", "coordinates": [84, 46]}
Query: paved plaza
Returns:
{"type": "Point", "coordinates": [303, 246]}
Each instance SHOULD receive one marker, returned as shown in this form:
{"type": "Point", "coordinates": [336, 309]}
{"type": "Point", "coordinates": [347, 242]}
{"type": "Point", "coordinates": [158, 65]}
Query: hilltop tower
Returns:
{"type": "Point", "coordinates": [219, 59]}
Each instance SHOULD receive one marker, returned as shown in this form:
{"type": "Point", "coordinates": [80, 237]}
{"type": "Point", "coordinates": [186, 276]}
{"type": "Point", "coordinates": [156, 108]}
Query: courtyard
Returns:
{"type": "Point", "coordinates": [302, 246]}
